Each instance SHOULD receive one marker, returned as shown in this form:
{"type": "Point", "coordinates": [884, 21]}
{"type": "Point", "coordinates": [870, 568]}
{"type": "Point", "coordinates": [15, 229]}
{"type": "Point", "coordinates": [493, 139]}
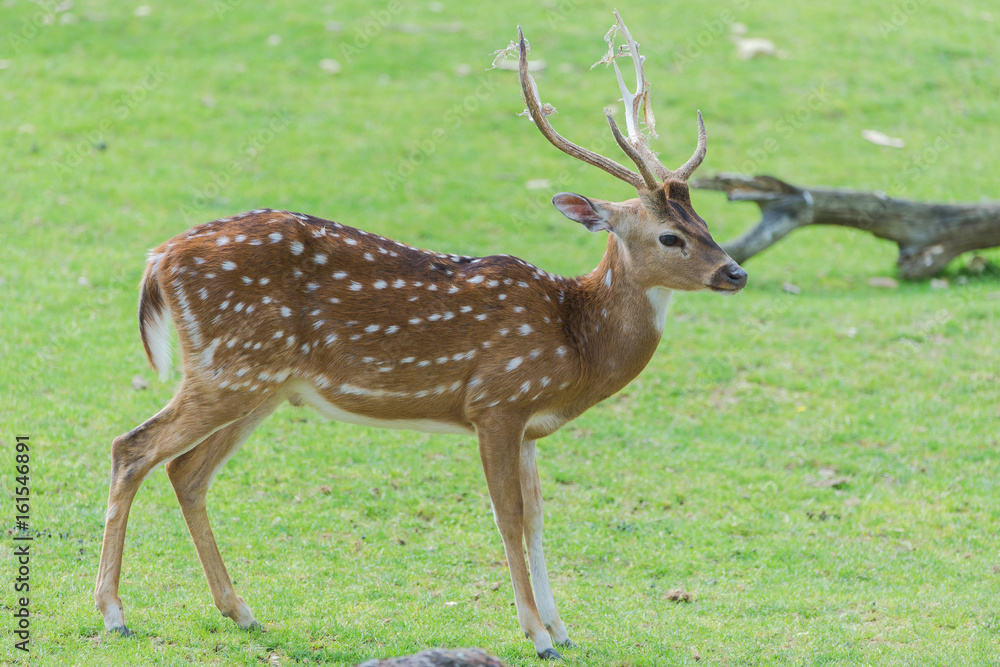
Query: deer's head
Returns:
{"type": "Point", "coordinates": [664, 241]}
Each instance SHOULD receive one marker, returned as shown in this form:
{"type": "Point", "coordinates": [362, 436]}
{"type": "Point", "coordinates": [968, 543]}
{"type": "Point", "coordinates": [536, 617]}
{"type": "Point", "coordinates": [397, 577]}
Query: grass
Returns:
{"type": "Point", "coordinates": [820, 471]}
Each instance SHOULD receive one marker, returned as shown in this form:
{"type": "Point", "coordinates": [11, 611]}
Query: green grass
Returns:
{"type": "Point", "coordinates": [711, 472]}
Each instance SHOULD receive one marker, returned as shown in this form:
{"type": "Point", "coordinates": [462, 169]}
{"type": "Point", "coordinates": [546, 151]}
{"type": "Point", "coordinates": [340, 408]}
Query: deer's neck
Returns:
{"type": "Point", "coordinates": [616, 322]}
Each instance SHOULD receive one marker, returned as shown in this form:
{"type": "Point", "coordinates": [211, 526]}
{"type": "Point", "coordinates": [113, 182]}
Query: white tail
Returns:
{"type": "Point", "coordinates": [273, 306]}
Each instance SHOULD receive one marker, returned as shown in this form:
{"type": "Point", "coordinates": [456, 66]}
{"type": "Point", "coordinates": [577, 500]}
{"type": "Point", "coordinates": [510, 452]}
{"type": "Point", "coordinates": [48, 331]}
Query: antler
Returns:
{"type": "Point", "coordinates": [538, 116]}
{"type": "Point", "coordinates": [641, 97]}
{"type": "Point", "coordinates": [635, 145]}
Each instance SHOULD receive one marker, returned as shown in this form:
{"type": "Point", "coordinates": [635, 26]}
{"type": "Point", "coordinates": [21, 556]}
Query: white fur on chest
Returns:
{"type": "Point", "coordinates": [659, 299]}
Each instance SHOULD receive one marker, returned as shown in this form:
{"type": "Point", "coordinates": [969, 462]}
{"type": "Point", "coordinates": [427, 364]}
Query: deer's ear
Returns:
{"type": "Point", "coordinates": [592, 215]}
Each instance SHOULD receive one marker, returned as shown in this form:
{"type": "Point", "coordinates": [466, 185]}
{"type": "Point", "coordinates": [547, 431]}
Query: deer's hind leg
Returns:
{"type": "Point", "coordinates": [189, 418]}
{"type": "Point", "coordinates": [191, 475]}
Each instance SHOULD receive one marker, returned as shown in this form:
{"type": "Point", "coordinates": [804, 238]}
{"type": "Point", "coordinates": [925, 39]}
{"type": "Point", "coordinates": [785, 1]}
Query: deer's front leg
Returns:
{"type": "Point", "coordinates": [500, 450]}
{"type": "Point", "coordinates": [531, 492]}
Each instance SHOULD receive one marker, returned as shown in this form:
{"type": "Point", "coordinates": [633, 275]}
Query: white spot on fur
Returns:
{"type": "Point", "coordinates": [380, 284]}
{"type": "Point", "coordinates": [514, 363]}
{"type": "Point", "coordinates": [297, 248]}
{"type": "Point", "coordinates": [476, 279]}
{"type": "Point", "coordinates": [275, 237]}
{"type": "Point", "coordinates": [355, 286]}
{"type": "Point", "coordinates": [208, 354]}
{"type": "Point", "coordinates": [228, 266]}
{"type": "Point", "coordinates": [319, 258]}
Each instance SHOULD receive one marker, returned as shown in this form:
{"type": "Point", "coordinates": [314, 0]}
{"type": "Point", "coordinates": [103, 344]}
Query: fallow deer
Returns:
{"type": "Point", "coordinates": [272, 306]}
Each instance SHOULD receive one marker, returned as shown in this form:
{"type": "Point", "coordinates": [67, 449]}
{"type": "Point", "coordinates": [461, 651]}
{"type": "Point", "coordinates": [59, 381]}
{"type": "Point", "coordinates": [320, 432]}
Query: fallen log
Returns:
{"type": "Point", "coordinates": [929, 235]}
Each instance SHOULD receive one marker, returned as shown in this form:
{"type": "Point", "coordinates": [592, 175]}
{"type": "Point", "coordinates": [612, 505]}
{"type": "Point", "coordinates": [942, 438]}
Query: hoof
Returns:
{"type": "Point", "coordinates": [121, 630]}
{"type": "Point", "coordinates": [254, 627]}
{"type": "Point", "coordinates": [550, 654]}
{"type": "Point", "coordinates": [568, 643]}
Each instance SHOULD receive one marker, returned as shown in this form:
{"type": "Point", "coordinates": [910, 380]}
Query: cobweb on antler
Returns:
{"type": "Point", "coordinates": [513, 50]}
{"type": "Point", "coordinates": [630, 49]}
{"type": "Point", "coordinates": [503, 54]}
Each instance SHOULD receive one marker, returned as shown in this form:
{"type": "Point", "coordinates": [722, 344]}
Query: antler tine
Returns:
{"type": "Point", "coordinates": [641, 98]}
{"type": "Point", "coordinates": [684, 171]}
{"type": "Point", "coordinates": [633, 102]}
{"type": "Point", "coordinates": [651, 181]}
{"type": "Point", "coordinates": [530, 91]}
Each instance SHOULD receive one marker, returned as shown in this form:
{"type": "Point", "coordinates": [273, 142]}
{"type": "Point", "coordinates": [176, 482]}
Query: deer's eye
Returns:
{"type": "Point", "coordinates": [670, 240]}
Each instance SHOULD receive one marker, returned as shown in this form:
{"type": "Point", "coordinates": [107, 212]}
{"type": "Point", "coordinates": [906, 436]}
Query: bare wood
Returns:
{"type": "Point", "coordinates": [929, 235]}
{"type": "Point", "coordinates": [274, 306]}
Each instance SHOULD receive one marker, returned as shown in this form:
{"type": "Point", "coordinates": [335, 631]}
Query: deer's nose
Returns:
{"type": "Point", "coordinates": [735, 274]}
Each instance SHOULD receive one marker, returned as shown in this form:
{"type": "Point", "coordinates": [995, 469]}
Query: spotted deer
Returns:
{"type": "Point", "coordinates": [272, 306]}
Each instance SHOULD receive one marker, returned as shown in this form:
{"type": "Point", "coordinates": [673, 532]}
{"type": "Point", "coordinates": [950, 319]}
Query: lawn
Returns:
{"type": "Point", "coordinates": [820, 471]}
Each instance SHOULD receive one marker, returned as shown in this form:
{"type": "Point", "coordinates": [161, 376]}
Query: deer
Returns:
{"type": "Point", "coordinates": [273, 306]}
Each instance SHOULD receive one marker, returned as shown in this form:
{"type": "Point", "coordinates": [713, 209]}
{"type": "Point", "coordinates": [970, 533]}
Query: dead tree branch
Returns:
{"type": "Point", "coordinates": [929, 235]}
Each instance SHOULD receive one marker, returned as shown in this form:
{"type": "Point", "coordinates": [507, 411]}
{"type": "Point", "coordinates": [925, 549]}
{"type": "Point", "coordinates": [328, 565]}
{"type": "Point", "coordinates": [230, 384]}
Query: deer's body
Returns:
{"type": "Point", "coordinates": [273, 306]}
{"type": "Point", "coordinates": [377, 327]}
